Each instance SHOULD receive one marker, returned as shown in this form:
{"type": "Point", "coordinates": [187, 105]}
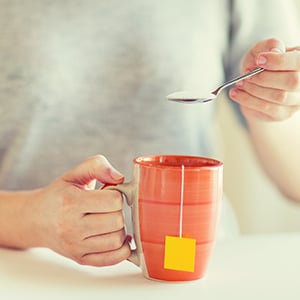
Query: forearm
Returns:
{"type": "Point", "coordinates": [17, 219]}
{"type": "Point", "coordinates": [69, 216]}
{"type": "Point", "coordinates": [278, 147]}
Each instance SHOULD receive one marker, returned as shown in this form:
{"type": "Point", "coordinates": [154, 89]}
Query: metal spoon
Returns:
{"type": "Point", "coordinates": [193, 97]}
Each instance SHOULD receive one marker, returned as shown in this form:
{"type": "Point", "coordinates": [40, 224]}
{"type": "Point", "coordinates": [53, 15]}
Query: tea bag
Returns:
{"type": "Point", "coordinates": [180, 251]}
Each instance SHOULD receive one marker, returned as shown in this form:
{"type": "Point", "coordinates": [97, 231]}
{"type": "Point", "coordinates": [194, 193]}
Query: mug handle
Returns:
{"type": "Point", "coordinates": [128, 190]}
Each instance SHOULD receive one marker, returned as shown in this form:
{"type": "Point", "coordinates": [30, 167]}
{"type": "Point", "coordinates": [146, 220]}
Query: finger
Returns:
{"type": "Point", "coordinates": [288, 61]}
{"type": "Point", "coordinates": [271, 111]}
{"type": "Point", "coordinates": [289, 81]}
{"type": "Point", "coordinates": [269, 45]}
{"type": "Point", "coordinates": [270, 94]}
{"type": "Point", "coordinates": [296, 48]}
{"type": "Point", "coordinates": [103, 243]}
{"type": "Point", "coordinates": [97, 224]}
{"type": "Point", "coordinates": [100, 201]}
{"type": "Point", "coordinates": [106, 258]}
{"type": "Point", "coordinates": [96, 167]}
{"type": "Point", "coordinates": [96, 244]}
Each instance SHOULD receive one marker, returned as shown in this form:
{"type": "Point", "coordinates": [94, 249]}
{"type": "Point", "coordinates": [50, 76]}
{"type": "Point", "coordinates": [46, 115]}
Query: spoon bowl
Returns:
{"type": "Point", "coordinates": [194, 97]}
{"type": "Point", "coordinates": [189, 97]}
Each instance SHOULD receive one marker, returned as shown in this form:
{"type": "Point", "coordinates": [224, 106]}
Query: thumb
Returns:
{"type": "Point", "coordinates": [273, 59]}
{"type": "Point", "coordinates": [96, 167]}
{"type": "Point", "coordinates": [270, 45]}
{"type": "Point", "coordinates": [254, 57]}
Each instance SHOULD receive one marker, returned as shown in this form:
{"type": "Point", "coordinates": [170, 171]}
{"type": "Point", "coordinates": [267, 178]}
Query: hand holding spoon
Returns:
{"type": "Point", "coordinates": [192, 97]}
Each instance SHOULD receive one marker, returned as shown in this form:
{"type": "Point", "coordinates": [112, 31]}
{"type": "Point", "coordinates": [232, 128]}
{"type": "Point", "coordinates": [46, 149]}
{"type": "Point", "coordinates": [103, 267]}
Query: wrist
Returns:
{"type": "Point", "coordinates": [19, 219]}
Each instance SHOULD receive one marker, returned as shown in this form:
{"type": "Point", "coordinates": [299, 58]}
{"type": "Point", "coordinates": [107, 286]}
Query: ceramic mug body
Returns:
{"type": "Point", "coordinates": [174, 198]}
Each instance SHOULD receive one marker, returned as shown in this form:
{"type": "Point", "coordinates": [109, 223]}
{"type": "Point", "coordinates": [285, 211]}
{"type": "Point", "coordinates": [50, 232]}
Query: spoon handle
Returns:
{"type": "Point", "coordinates": [235, 80]}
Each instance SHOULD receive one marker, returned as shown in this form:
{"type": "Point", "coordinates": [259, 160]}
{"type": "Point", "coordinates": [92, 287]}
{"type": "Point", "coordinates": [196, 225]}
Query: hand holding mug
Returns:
{"type": "Point", "coordinates": [79, 222]}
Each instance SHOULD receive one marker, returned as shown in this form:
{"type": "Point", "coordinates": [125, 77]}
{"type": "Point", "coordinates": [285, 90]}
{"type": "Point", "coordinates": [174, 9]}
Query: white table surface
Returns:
{"type": "Point", "coordinates": [251, 267]}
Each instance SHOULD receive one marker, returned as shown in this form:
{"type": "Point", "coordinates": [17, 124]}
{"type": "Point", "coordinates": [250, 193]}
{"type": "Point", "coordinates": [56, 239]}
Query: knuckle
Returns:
{"type": "Point", "coordinates": [75, 252]}
{"type": "Point", "coordinates": [99, 160]}
{"type": "Point", "coordinates": [102, 259]}
{"type": "Point", "coordinates": [280, 96]}
{"type": "Point", "coordinates": [277, 114]}
{"type": "Point", "coordinates": [72, 250]}
{"type": "Point", "coordinates": [64, 225]}
{"type": "Point", "coordinates": [98, 259]}
{"type": "Point", "coordinates": [294, 81]}
{"type": "Point", "coordinates": [64, 230]}
{"type": "Point", "coordinates": [272, 42]}
{"type": "Point", "coordinates": [266, 107]}
{"type": "Point", "coordinates": [274, 111]}
{"type": "Point", "coordinates": [118, 221]}
{"type": "Point", "coordinates": [268, 44]}
{"type": "Point", "coordinates": [116, 242]}
{"type": "Point", "coordinates": [276, 118]}
{"type": "Point", "coordinates": [282, 114]}
{"type": "Point", "coordinates": [292, 110]}
{"type": "Point", "coordinates": [118, 199]}
{"type": "Point", "coordinates": [80, 260]}
{"type": "Point", "coordinates": [67, 201]}
{"type": "Point", "coordinates": [113, 221]}
{"type": "Point", "coordinates": [108, 260]}
{"type": "Point", "coordinates": [96, 161]}
{"type": "Point", "coordinates": [125, 252]}
{"type": "Point", "coordinates": [113, 241]}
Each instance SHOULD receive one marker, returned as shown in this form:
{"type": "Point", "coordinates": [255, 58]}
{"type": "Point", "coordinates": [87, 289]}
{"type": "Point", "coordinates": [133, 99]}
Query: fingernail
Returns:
{"type": "Point", "coordinates": [128, 238]}
{"type": "Point", "coordinates": [276, 50]}
{"type": "Point", "coordinates": [116, 175]}
{"type": "Point", "coordinates": [232, 93]}
{"type": "Point", "coordinates": [262, 60]}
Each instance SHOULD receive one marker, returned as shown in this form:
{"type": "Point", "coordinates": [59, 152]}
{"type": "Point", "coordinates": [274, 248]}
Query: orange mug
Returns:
{"type": "Point", "coordinates": [175, 203]}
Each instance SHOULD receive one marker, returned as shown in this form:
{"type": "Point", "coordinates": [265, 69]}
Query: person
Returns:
{"type": "Point", "coordinates": [86, 82]}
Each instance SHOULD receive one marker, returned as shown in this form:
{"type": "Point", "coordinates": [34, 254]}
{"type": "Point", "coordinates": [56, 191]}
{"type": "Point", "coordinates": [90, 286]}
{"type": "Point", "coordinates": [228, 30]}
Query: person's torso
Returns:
{"type": "Point", "coordinates": [80, 78]}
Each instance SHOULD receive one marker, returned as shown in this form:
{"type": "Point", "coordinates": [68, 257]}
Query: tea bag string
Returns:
{"type": "Point", "coordinates": [181, 201]}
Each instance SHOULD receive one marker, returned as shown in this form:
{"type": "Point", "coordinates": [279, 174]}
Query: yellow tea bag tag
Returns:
{"type": "Point", "coordinates": [180, 253]}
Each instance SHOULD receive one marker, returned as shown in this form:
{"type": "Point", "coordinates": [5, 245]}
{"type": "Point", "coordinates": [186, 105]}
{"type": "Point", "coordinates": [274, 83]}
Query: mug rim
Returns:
{"type": "Point", "coordinates": [154, 160]}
